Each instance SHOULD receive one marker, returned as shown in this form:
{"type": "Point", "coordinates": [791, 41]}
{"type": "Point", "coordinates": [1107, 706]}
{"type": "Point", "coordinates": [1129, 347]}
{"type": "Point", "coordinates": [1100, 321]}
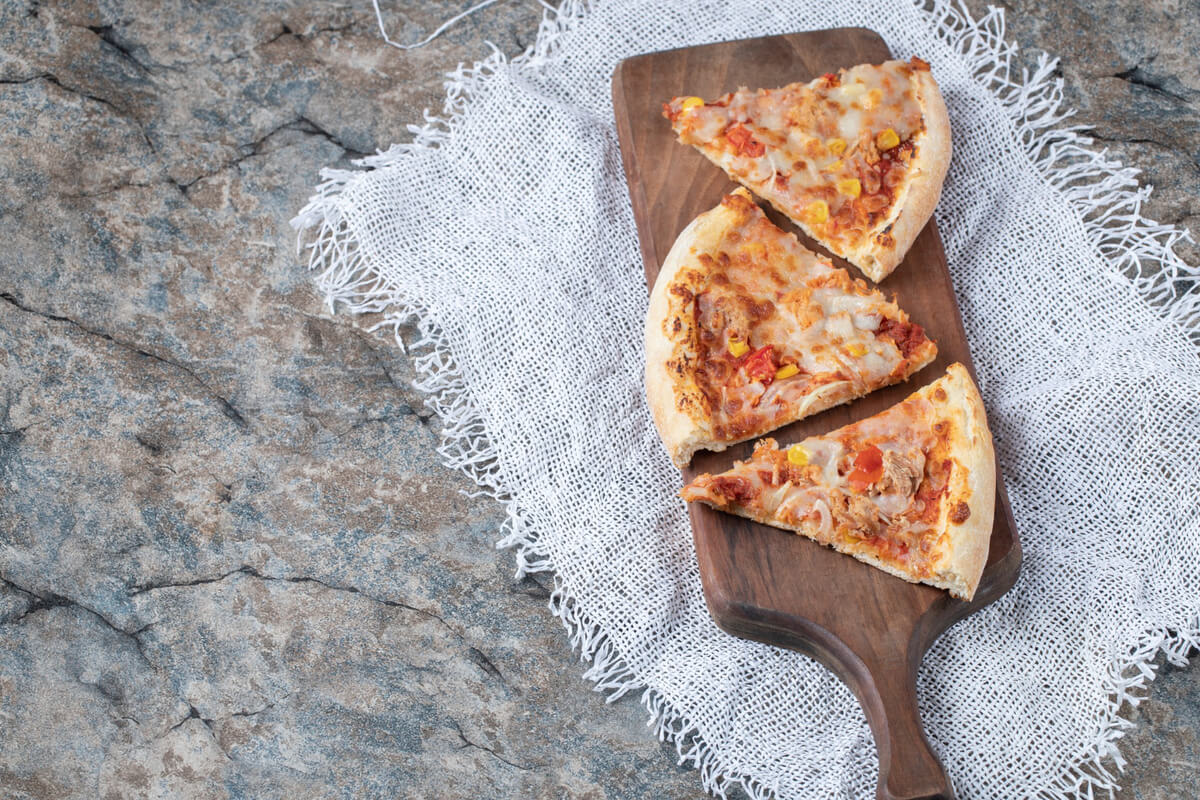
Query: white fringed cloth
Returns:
{"type": "Point", "coordinates": [504, 232]}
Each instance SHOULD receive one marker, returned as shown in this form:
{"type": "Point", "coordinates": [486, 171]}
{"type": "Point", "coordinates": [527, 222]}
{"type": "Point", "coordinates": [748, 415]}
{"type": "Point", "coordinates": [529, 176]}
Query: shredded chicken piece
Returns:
{"type": "Point", "coordinates": [858, 515]}
{"type": "Point", "coordinates": [900, 474]}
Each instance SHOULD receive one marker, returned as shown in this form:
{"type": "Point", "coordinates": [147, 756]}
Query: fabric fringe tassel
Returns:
{"type": "Point", "coordinates": [1105, 194]}
{"type": "Point", "coordinates": [1109, 200]}
{"type": "Point", "coordinates": [1103, 191]}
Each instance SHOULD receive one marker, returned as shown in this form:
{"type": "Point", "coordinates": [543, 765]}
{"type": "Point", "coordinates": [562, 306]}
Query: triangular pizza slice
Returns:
{"type": "Point", "coordinates": [748, 331]}
{"type": "Point", "coordinates": [910, 490]}
{"type": "Point", "coordinates": [855, 159]}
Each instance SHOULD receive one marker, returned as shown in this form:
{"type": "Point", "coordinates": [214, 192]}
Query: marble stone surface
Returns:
{"type": "Point", "coordinates": [231, 565]}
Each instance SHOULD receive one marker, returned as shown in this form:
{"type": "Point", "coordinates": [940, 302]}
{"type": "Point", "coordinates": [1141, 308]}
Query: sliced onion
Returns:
{"type": "Point", "coordinates": [755, 392]}
{"type": "Point", "coordinates": [786, 506]}
{"type": "Point", "coordinates": [812, 398]}
{"type": "Point", "coordinates": [840, 325]}
{"type": "Point", "coordinates": [867, 322]}
{"type": "Point", "coordinates": [825, 518]}
{"type": "Point", "coordinates": [891, 504]}
{"type": "Point", "coordinates": [773, 501]}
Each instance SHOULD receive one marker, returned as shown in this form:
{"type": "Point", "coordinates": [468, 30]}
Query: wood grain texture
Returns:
{"type": "Point", "coordinates": [870, 628]}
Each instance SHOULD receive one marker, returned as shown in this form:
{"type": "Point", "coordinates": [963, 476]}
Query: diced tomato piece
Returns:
{"type": "Point", "coordinates": [908, 336]}
{"type": "Point", "coordinates": [760, 365]}
{"type": "Point", "coordinates": [868, 468]}
{"type": "Point", "coordinates": [733, 489]}
{"type": "Point", "coordinates": [743, 141]}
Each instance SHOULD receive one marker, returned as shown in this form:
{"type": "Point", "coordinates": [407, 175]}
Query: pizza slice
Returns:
{"type": "Point", "coordinates": [748, 331]}
{"type": "Point", "coordinates": [910, 490]}
{"type": "Point", "coordinates": [855, 159]}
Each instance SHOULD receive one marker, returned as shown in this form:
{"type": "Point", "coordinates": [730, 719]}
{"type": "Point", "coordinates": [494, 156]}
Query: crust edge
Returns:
{"type": "Point", "coordinates": [682, 433]}
{"type": "Point", "coordinates": [670, 397]}
{"type": "Point", "coordinates": [967, 544]}
{"type": "Point", "coordinates": [922, 192]}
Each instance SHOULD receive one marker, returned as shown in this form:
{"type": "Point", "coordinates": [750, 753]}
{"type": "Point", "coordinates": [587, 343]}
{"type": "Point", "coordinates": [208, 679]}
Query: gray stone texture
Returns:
{"type": "Point", "coordinates": [231, 563]}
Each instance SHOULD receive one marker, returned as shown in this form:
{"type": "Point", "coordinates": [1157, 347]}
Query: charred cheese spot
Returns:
{"type": "Point", "coordinates": [939, 394]}
{"type": "Point", "coordinates": [829, 130]}
{"type": "Point", "coordinates": [682, 292]}
{"type": "Point", "coordinates": [901, 519]}
{"type": "Point", "coordinates": [752, 331]}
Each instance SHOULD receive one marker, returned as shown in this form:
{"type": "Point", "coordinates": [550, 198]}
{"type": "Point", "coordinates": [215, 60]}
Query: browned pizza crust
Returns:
{"type": "Point", "coordinates": [680, 408]}
{"type": "Point", "coordinates": [969, 507]}
{"type": "Point", "coordinates": [966, 511]}
{"type": "Point", "coordinates": [716, 129]}
{"type": "Point", "coordinates": [882, 252]}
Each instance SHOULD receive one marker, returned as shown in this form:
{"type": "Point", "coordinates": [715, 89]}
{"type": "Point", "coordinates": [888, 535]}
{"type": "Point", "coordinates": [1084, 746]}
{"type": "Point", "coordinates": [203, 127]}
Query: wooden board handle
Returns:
{"type": "Point", "coordinates": [908, 767]}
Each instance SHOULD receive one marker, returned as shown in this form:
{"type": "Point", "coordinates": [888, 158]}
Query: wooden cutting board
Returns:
{"type": "Point", "coordinates": [870, 628]}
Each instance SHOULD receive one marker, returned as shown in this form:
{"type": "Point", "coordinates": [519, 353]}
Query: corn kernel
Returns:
{"type": "Point", "coordinates": [816, 212]}
{"type": "Point", "coordinates": [797, 455]}
{"type": "Point", "coordinates": [755, 249]}
{"type": "Point", "coordinates": [836, 146]}
{"type": "Point", "coordinates": [856, 349]}
{"type": "Point", "coordinates": [850, 186]}
{"type": "Point", "coordinates": [887, 140]}
{"type": "Point", "coordinates": [786, 371]}
{"type": "Point", "coordinates": [690, 103]}
{"type": "Point", "coordinates": [737, 348]}
{"type": "Point", "coordinates": [835, 166]}
{"type": "Point", "coordinates": [873, 98]}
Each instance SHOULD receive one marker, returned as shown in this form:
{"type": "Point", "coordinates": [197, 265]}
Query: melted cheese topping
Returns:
{"type": "Point", "coordinates": [782, 331]}
{"type": "Point", "coordinates": [832, 154]}
{"type": "Point", "coordinates": [890, 513]}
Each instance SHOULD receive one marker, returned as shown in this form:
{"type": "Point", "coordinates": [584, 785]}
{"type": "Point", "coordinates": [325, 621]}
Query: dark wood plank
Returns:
{"type": "Point", "coordinates": [870, 628]}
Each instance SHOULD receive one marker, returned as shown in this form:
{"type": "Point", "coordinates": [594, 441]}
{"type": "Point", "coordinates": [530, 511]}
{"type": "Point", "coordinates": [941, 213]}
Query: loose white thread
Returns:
{"type": "Point", "coordinates": [445, 26]}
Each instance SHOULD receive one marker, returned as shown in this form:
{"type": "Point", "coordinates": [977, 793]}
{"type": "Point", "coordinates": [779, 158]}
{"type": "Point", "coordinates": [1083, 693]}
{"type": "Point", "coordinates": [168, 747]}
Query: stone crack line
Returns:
{"type": "Point", "coordinates": [306, 125]}
{"type": "Point", "coordinates": [361, 423]}
{"type": "Point", "coordinates": [481, 660]}
{"type": "Point", "coordinates": [468, 743]}
{"type": "Point", "coordinates": [1129, 140]}
{"type": "Point", "coordinates": [1194, 164]}
{"type": "Point", "coordinates": [283, 31]}
{"type": "Point", "coordinates": [120, 112]}
{"type": "Point", "coordinates": [301, 124]}
{"type": "Point", "coordinates": [474, 654]}
{"type": "Point", "coordinates": [48, 600]}
{"type": "Point", "coordinates": [1137, 76]}
{"type": "Point", "coordinates": [194, 713]}
{"type": "Point", "coordinates": [106, 35]}
{"type": "Point", "coordinates": [252, 572]}
{"type": "Point", "coordinates": [21, 430]}
{"type": "Point", "coordinates": [423, 414]}
{"type": "Point", "coordinates": [223, 404]}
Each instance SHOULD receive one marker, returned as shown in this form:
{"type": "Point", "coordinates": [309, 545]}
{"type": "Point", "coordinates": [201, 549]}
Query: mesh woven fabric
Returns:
{"type": "Point", "coordinates": [505, 231]}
